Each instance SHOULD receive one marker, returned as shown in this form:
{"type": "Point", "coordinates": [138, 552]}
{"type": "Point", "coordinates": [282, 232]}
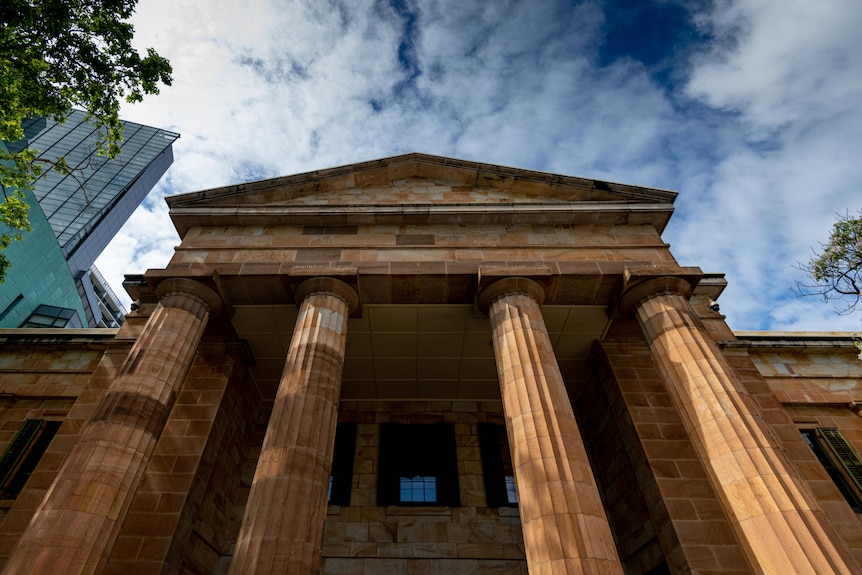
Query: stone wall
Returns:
{"type": "Point", "coordinates": [184, 513]}
{"type": "Point", "coordinates": [56, 376]}
{"type": "Point", "coordinates": [662, 509]}
{"type": "Point", "coordinates": [363, 538]}
{"type": "Point", "coordinates": [422, 243]}
{"type": "Point", "coordinates": [223, 479]}
{"type": "Point", "coordinates": [805, 382]}
{"type": "Point", "coordinates": [626, 483]}
{"type": "Point", "coordinates": [685, 514]}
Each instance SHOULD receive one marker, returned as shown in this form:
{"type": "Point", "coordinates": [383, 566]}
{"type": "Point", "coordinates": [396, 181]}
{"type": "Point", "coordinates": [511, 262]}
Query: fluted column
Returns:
{"type": "Point", "coordinates": [282, 530]}
{"type": "Point", "coordinates": [564, 524]}
{"type": "Point", "coordinates": [779, 523]}
{"type": "Point", "coordinates": [77, 523]}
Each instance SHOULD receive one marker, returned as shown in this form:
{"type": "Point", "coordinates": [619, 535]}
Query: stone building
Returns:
{"type": "Point", "coordinates": [428, 366]}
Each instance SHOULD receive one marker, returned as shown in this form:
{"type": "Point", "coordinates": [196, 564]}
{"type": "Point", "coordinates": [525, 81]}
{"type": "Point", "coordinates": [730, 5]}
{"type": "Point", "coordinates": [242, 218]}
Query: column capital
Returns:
{"type": "Point", "coordinates": [510, 286]}
{"type": "Point", "coordinates": [640, 284]}
{"type": "Point", "coordinates": [172, 291]}
{"type": "Point", "coordinates": [330, 286]}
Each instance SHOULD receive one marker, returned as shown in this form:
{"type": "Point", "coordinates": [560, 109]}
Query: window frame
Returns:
{"type": "Point", "coordinates": [840, 461]}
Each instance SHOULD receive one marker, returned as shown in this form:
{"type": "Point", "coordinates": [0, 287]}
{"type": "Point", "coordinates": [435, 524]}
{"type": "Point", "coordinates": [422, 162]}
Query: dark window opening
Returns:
{"type": "Point", "coordinates": [23, 454]}
{"type": "Point", "coordinates": [497, 470]}
{"type": "Point", "coordinates": [840, 461]}
{"type": "Point", "coordinates": [341, 476]}
{"type": "Point", "coordinates": [418, 465]}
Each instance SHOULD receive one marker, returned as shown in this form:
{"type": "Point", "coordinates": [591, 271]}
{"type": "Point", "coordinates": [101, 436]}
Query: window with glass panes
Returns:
{"type": "Point", "coordinates": [418, 465]}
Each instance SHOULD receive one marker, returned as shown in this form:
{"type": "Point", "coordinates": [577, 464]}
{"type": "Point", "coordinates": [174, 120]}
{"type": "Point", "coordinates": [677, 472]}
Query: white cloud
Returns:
{"type": "Point", "coordinates": [790, 73]}
{"type": "Point", "coordinates": [760, 142]}
{"type": "Point", "coordinates": [786, 60]}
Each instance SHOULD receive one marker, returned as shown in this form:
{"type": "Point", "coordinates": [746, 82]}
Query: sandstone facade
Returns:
{"type": "Point", "coordinates": [422, 365]}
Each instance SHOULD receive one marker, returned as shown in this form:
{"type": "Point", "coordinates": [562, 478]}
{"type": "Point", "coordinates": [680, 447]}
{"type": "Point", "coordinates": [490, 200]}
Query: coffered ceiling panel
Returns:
{"type": "Point", "coordinates": [416, 351]}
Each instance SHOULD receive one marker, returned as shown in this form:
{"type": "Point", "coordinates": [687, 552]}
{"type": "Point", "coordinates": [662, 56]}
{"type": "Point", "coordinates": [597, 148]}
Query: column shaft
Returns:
{"type": "Point", "coordinates": [282, 530]}
{"type": "Point", "coordinates": [781, 527]}
{"type": "Point", "coordinates": [564, 524]}
{"type": "Point", "coordinates": [75, 526]}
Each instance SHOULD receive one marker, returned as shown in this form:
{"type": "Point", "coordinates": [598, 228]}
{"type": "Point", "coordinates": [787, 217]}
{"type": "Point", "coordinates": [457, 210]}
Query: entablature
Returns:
{"type": "Point", "coordinates": [581, 213]}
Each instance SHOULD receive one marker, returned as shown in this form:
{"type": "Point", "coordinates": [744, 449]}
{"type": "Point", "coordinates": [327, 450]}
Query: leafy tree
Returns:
{"type": "Point", "coordinates": [837, 270]}
{"type": "Point", "coordinates": [56, 55]}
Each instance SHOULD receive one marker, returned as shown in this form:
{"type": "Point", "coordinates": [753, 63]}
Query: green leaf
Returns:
{"type": "Point", "coordinates": [56, 56]}
{"type": "Point", "coordinates": [837, 268]}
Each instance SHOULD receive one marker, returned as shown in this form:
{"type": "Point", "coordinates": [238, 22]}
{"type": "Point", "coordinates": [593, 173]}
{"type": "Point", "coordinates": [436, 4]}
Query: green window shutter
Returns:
{"type": "Point", "coordinates": [18, 448]}
{"type": "Point", "coordinates": [843, 452]}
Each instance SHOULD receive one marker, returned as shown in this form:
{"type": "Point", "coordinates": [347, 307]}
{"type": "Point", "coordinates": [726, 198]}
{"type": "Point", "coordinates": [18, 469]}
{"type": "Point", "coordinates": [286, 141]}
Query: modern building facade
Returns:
{"type": "Point", "coordinates": [428, 366]}
{"type": "Point", "coordinates": [52, 280]}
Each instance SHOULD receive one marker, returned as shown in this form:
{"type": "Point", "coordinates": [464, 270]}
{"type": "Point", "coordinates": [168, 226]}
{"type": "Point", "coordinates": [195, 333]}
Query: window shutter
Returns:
{"type": "Point", "coordinates": [843, 452]}
{"type": "Point", "coordinates": [387, 464]}
{"type": "Point", "coordinates": [24, 454]}
{"type": "Point", "coordinates": [447, 460]}
{"type": "Point", "coordinates": [342, 464]}
{"type": "Point", "coordinates": [492, 464]}
{"type": "Point", "coordinates": [16, 450]}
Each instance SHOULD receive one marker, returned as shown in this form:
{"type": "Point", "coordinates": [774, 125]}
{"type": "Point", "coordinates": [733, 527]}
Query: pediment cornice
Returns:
{"type": "Point", "coordinates": [409, 185]}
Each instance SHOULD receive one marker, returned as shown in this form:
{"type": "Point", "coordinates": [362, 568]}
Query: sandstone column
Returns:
{"type": "Point", "coordinates": [282, 529]}
{"type": "Point", "coordinates": [564, 524]}
{"type": "Point", "coordinates": [781, 527]}
{"type": "Point", "coordinates": [77, 523]}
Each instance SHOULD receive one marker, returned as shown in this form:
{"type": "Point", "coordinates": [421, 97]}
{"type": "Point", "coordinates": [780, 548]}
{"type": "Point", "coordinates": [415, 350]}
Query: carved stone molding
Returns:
{"type": "Point", "coordinates": [328, 285]}
{"type": "Point", "coordinates": [171, 293]}
{"type": "Point", "coordinates": [509, 286]}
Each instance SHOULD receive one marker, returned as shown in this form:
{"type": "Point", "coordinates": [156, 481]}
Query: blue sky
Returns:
{"type": "Point", "coordinates": [750, 109]}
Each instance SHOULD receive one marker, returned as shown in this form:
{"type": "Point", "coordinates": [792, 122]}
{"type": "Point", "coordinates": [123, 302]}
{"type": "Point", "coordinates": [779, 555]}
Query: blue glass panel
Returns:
{"type": "Point", "coordinates": [419, 489]}
{"type": "Point", "coordinates": [511, 491]}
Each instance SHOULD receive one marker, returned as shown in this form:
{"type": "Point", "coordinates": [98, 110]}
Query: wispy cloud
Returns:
{"type": "Point", "coordinates": [750, 112]}
{"type": "Point", "coordinates": [788, 77]}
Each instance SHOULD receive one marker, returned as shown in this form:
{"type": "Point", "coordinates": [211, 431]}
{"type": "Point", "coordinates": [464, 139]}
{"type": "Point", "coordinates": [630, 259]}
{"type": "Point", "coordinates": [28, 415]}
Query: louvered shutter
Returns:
{"type": "Point", "coordinates": [16, 450]}
{"type": "Point", "coordinates": [843, 452]}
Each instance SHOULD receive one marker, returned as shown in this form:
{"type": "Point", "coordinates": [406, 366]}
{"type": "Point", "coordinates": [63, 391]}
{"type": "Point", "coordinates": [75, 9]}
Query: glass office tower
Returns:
{"type": "Point", "coordinates": [78, 214]}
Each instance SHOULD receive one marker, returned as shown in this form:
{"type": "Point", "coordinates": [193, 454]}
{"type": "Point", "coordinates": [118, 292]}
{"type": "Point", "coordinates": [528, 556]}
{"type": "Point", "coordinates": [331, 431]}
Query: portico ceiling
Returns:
{"type": "Point", "coordinates": [407, 352]}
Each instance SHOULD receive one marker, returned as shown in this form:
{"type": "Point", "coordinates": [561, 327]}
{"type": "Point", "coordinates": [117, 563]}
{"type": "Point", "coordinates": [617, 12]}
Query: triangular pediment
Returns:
{"type": "Point", "coordinates": [417, 188]}
{"type": "Point", "coordinates": [419, 179]}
